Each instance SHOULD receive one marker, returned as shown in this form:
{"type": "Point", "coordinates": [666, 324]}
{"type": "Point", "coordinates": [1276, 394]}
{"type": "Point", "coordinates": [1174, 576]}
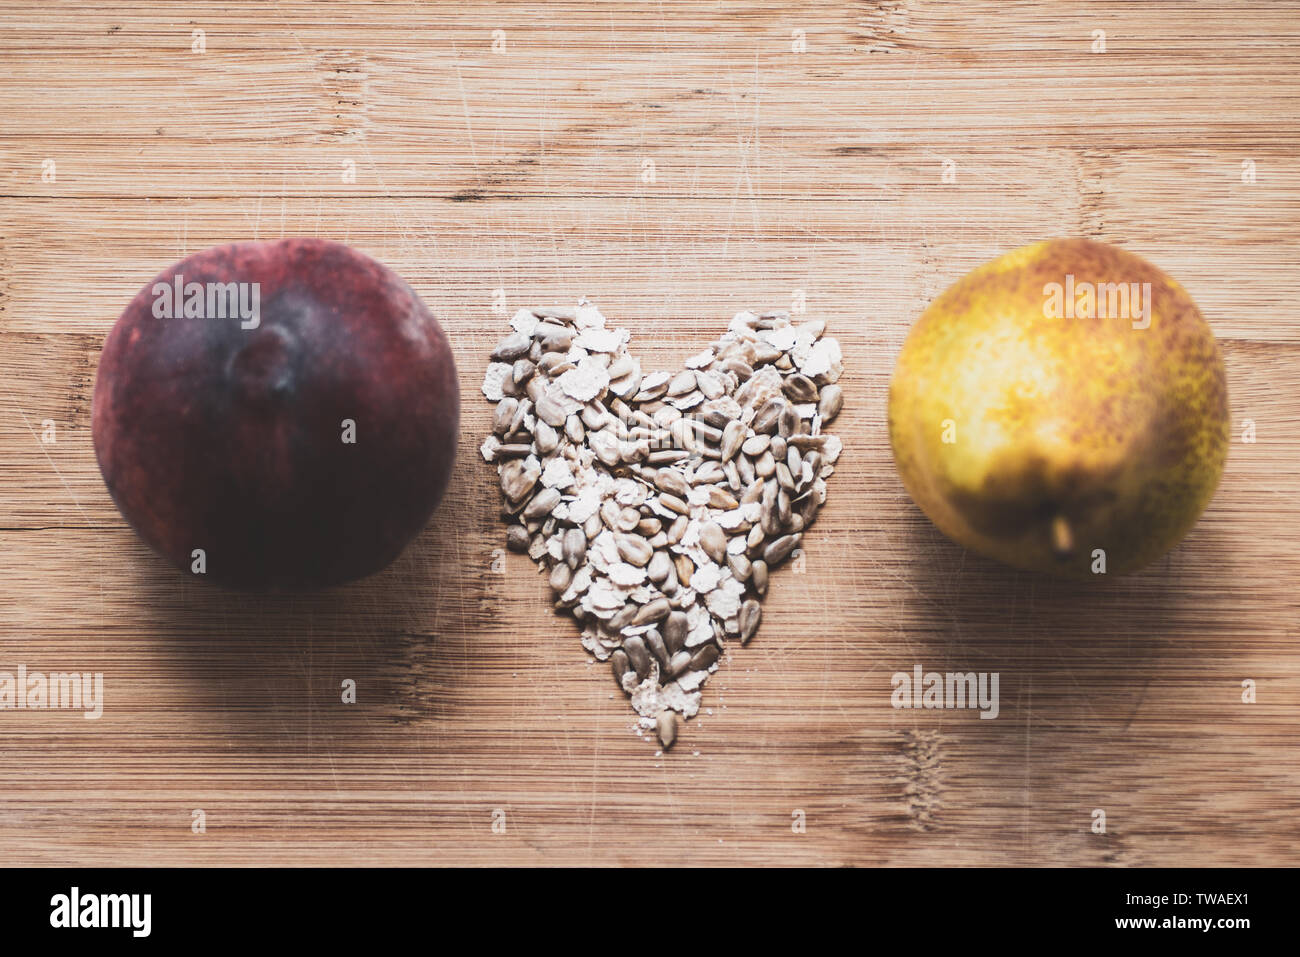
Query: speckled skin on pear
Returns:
{"type": "Point", "coordinates": [1121, 431]}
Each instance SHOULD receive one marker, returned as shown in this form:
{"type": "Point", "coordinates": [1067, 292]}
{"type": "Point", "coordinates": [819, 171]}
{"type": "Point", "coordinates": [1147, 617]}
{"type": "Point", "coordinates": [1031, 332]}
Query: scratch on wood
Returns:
{"type": "Point", "coordinates": [1113, 850]}
{"type": "Point", "coordinates": [468, 196]}
{"type": "Point", "coordinates": [1094, 168]}
{"type": "Point", "coordinates": [882, 26]}
{"type": "Point", "coordinates": [923, 770]}
{"type": "Point", "coordinates": [345, 82]}
{"type": "Point", "coordinates": [5, 270]}
{"type": "Point", "coordinates": [412, 682]}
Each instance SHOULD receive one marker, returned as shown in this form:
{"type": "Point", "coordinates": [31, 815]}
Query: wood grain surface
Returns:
{"type": "Point", "coordinates": [524, 170]}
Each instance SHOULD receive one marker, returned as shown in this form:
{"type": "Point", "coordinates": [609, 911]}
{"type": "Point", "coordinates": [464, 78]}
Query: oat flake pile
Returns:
{"type": "Point", "coordinates": [659, 502]}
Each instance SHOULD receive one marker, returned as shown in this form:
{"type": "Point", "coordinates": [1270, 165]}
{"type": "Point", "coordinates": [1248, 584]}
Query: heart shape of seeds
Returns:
{"type": "Point", "coordinates": [658, 503]}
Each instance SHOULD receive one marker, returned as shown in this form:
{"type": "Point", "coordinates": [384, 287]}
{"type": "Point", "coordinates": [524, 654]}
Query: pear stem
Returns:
{"type": "Point", "coordinates": [1062, 537]}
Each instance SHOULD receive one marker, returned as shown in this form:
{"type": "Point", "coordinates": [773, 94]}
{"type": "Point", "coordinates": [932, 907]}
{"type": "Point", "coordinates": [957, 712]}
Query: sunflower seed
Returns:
{"type": "Point", "coordinates": [637, 655]}
{"type": "Point", "coordinates": [575, 547]}
{"type": "Point", "coordinates": [685, 569]}
{"type": "Point", "coordinates": [504, 415]}
{"type": "Point", "coordinates": [733, 438]}
{"type": "Point", "coordinates": [678, 663]}
{"type": "Point", "coordinates": [634, 549]}
{"type": "Point", "coordinates": [624, 617]}
{"type": "Point", "coordinates": [707, 433]}
{"type": "Point", "coordinates": [535, 388]}
{"type": "Point", "coordinates": [714, 542]}
{"type": "Point", "coordinates": [675, 628]}
{"type": "Point", "coordinates": [805, 442]}
{"type": "Point", "coordinates": [740, 566]}
{"type": "Point", "coordinates": [652, 611]}
{"type": "Point", "coordinates": [813, 460]}
{"type": "Point", "coordinates": [704, 658]}
{"type": "Point", "coordinates": [768, 519]}
{"type": "Point", "coordinates": [542, 504]}
{"type": "Point", "coordinates": [514, 451]}
{"type": "Point", "coordinates": [652, 387]}
{"type": "Point", "coordinates": [673, 504]}
{"type": "Point", "coordinates": [666, 727]}
{"type": "Point", "coordinates": [522, 371]}
{"type": "Point", "coordinates": [766, 419]}
{"type": "Point", "coordinates": [721, 499]}
{"type": "Point", "coordinates": [739, 368]}
{"type": "Point", "coordinates": [799, 388]}
{"type": "Point", "coordinates": [794, 461]}
{"type": "Point", "coordinates": [545, 438]}
{"type": "Point", "coordinates": [783, 477]}
{"type": "Point", "coordinates": [673, 482]}
{"type": "Point", "coordinates": [561, 575]}
{"type": "Point", "coordinates": [655, 643]}
{"type": "Point", "coordinates": [518, 479]}
{"type": "Point", "coordinates": [667, 456]}
{"type": "Point", "coordinates": [831, 402]}
{"type": "Point", "coordinates": [619, 664]}
{"type": "Point", "coordinates": [709, 384]}
{"type": "Point", "coordinates": [672, 587]}
{"type": "Point", "coordinates": [788, 423]}
{"type": "Point", "coordinates": [517, 538]}
{"type": "Point", "coordinates": [783, 506]}
{"type": "Point", "coordinates": [678, 529]}
{"type": "Point", "coordinates": [512, 347]}
{"type": "Point", "coordinates": [657, 570]}
{"type": "Point", "coordinates": [553, 331]}
{"type": "Point", "coordinates": [745, 470]}
{"type": "Point", "coordinates": [682, 383]}
{"type": "Point", "coordinates": [709, 473]}
{"type": "Point", "coordinates": [547, 363]}
{"type": "Point", "coordinates": [779, 550]}
{"type": "Point", "coordinates": [751, 613]}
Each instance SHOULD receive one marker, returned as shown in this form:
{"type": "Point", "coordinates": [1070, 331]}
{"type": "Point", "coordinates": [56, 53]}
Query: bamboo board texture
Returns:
{"type": "Point", "coordinates": [521, 174]}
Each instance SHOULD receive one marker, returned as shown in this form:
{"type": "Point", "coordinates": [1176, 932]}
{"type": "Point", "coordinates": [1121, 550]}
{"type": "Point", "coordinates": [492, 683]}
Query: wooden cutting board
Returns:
{"type": "Point", "coordinates": [676, 163]}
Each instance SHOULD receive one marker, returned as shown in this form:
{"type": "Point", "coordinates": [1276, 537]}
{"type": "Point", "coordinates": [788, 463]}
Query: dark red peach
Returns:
{"type": "Point", "coordinates": [297, 428]}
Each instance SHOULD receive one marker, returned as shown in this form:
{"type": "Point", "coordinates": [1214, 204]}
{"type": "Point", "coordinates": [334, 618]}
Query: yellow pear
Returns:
{"type": "Point", "coordinates": [1062, 408]}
